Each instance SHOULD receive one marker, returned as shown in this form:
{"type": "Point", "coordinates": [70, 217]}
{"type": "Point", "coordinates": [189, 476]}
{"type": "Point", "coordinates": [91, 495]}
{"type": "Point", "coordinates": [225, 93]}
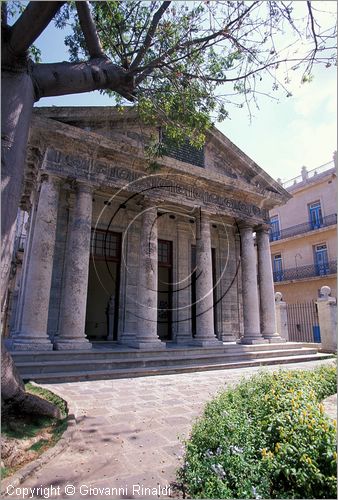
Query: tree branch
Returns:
{"type": "Point", "coordinates": [224, 33]}
{"type": "Point", "coordinates": [149, 36]}
{"type": "Point", "coordinates": [250, 73]}
{"type": "Point", "coordinates": [4, 13]}
{"type": "Point", "coordinates": [312, 26]}
{"type": "Point", "coordinates": [89, 30]}
{"type": "Point", "coordinates": [31, 24]}
{"type": "Point", "coordinates": [73, 78]}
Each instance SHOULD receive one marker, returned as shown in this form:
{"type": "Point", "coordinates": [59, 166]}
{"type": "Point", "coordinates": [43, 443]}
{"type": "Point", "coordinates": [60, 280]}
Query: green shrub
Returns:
{"type": "Point", "coordinates": [266, 438]}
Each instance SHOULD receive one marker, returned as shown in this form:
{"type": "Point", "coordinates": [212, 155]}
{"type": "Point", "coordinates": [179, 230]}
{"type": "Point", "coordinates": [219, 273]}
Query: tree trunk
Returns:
{"type": "Point", "coordinates": [17, 96]}
{"type": "Point", "coordinates": [17, 99]}
{"type": "Point", "coordinates": [13, 390]}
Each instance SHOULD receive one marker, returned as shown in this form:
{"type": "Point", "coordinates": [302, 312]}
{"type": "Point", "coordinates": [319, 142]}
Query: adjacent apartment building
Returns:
{"type": "Point", "coordinates": [303, 235]}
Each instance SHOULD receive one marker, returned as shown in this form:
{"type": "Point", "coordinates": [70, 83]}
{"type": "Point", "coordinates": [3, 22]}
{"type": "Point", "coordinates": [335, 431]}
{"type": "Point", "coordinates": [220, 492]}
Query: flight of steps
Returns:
{"type": "Point", "coordinates": [106, 361]}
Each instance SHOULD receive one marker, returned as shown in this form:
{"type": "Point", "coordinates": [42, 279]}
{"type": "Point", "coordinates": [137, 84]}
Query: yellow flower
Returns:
{"type": "Point", "coordinates": [321, 408]}
{"type": "Point", "coordinates": [277, 447]}
{"type": "Point", "coordinates": [334, 455]}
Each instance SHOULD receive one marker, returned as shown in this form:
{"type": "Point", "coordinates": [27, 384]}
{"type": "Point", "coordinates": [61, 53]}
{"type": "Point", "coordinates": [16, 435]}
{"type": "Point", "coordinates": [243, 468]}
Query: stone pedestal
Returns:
{"type": "Point", "coordinates": [146, 337]}
{"type": "Point", "coordinates": [251, 321]}
{"type": "Point", "coordinates": [281, 317]}
{"type": "Point", "coordinates": [33, 328]}
{"type": "Point", "coordinates": [266, 288]}
{"type": "Point", "coordinates": [327, 314]}
{"type": "Point", "coordinates": [205, 335]}
{"type": "Point", "coordinates": [74, 299]}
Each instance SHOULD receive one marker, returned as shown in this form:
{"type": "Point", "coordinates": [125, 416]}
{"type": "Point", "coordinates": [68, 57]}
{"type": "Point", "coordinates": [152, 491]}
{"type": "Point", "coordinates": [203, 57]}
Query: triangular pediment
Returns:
{"type": "Point", "coordinates": [223, 159]}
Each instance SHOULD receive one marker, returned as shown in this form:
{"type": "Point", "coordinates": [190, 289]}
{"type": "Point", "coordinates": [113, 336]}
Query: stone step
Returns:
{"type": "Point", "coordinates": [148, 361]}
{"type": "Point", "coordinates": [171, 351]}
{"type": "Point", "coordinates": [57, 377]}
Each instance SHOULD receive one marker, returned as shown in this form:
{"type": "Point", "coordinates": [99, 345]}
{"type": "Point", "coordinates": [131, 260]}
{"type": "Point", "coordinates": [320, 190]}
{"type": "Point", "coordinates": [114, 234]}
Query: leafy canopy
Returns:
{"type": "Point", "coordinates": [190, 60]}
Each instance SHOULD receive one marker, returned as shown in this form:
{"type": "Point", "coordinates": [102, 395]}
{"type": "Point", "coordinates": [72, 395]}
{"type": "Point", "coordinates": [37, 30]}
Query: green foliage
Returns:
{"type": "Point", "coordinates": [39, 444]}
{"type": "Point", "coordinates": [4, 472]}
{"type": "Point", "coordinates": [201, 57]}
{"type": "Point", "coordinates": [267, 438]}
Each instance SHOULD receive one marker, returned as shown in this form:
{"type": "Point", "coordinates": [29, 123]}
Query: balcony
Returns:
{"type": "Point", "coordinates": [328, 220]}
{"type": "Point", "coordinates": [301, 272]}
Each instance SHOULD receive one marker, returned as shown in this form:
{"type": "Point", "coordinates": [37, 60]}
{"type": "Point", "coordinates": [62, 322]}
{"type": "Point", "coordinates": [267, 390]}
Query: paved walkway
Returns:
{"type": "Point", "coordinates": [128, 433]}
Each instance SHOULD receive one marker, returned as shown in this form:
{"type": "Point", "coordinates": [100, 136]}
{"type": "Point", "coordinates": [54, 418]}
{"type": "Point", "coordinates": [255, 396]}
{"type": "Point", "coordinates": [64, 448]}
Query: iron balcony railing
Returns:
{"type": "Point", "coordinates": [305, 227]}
{"type": "Point", "coordinates": [310, 271]}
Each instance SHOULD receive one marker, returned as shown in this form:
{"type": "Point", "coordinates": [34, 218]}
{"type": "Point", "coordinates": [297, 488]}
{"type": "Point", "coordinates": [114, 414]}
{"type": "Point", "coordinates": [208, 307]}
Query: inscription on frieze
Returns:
{"type": "Point", "coordinates": [149, 184]}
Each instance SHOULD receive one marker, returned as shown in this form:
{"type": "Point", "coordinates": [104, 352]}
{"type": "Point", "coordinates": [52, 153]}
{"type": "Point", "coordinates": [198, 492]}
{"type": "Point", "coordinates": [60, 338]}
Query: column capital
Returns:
{"type": "Point", "coordinates": [84, 187]}
{"type": "Point", "coordinates": [263, 228]}
{"type": "Point", "coordinates": [245, 225]}
{"type": "Point", "coordinates": [47, 177]}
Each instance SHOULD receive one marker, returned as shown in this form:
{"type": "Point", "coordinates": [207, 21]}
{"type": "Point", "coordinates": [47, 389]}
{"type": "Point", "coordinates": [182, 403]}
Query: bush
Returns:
{"type": "Point", "coordinates": [266, 438]}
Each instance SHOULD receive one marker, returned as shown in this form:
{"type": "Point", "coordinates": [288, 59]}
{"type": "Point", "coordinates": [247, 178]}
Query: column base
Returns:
{"type": "Point", "coordinates": [127, 339]}
{"type": "Point", "coordinates": [183, 339]}
{"type": "Point", "coordinates": [30, 343]}
{"type": "Point", "coordinates": [228, 337]}
{"type": "Point", "coordinates": [274, 338]}
{"type": "Point", "coordinates": [251, 340]}
{"type": "Point", "coordinates": [72, 345]}
{"type": "Point", "coordinates": [207, 343]}
{"type": "Point", "coordinates": [154, 345]}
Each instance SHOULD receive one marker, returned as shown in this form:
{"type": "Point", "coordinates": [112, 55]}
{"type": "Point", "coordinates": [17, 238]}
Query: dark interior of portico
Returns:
{"type": "Point", "coordinates": [103, 286]}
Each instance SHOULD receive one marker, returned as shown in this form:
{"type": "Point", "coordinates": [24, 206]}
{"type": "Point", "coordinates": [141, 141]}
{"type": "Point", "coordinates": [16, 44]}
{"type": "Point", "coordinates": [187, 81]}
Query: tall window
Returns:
{"type": "Point", "coordinates": [275, 229]}
{"type": "Point", "coordinates": [277, 265]}
{"type": "Point", "coordinates": [315, 213]}
{"type": "Point", "coordinates": [105, 245]}
{"type": "Point", "coordinates": [321, 260]}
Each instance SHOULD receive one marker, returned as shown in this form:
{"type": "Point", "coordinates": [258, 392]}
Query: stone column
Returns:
{"type": "Point", "coordinates": [146, 337]}
{"type": "Point", "coordinates": [266, 288]}
{"type": "Point", "coordinates": [228, 289]}
{"type": "Point", "coordinates": [251, 321]}
{"type": "Point", "coordinates": [183, 284]}
{"type": "Point", "coordinates": [71, 333]}
{"type": "Point", "coordinates": [33, 326]}
{"type": "Point", "coordinates": [281, 316]}
{"type": "Point", "coordinates": [205, 333]}
{"type": "Point", "coordinates": [129, 278]}
{"type": "Point", "coordinates": [327, 314]}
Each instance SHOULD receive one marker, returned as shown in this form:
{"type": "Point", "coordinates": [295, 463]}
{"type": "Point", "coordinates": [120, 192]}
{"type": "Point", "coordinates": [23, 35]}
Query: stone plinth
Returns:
{"type": "Point", "coordinates": [281, 316]}
{"type": "Point", "coordinates": [327, 314]}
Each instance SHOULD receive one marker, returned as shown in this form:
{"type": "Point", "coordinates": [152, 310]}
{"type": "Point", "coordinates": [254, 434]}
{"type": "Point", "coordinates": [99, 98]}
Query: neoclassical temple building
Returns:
{"type": "Point", "coordinates": [120, 251]}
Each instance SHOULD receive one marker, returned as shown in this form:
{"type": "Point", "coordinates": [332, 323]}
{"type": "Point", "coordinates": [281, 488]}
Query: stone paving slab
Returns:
{"type": "Point", "coordinates": [330, 405]}
{"type": "Point", "coordinates": [128, 435]}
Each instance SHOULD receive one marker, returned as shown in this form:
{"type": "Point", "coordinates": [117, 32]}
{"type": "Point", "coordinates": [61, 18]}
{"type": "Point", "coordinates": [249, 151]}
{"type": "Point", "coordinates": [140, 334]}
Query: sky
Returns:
{"type": "Point", "coordinates": [281, 136]}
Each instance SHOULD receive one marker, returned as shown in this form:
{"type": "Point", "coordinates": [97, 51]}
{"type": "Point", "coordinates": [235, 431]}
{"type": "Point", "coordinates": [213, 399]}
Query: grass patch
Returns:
{"type": "Point", "coordinates": [266, 438]}
{"type": "Point", "coordinates": [25, 437]}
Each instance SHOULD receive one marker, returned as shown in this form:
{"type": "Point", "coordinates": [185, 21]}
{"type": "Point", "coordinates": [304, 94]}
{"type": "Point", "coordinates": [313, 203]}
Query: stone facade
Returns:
{"type": "Point", "coordinates": [137, 256]}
